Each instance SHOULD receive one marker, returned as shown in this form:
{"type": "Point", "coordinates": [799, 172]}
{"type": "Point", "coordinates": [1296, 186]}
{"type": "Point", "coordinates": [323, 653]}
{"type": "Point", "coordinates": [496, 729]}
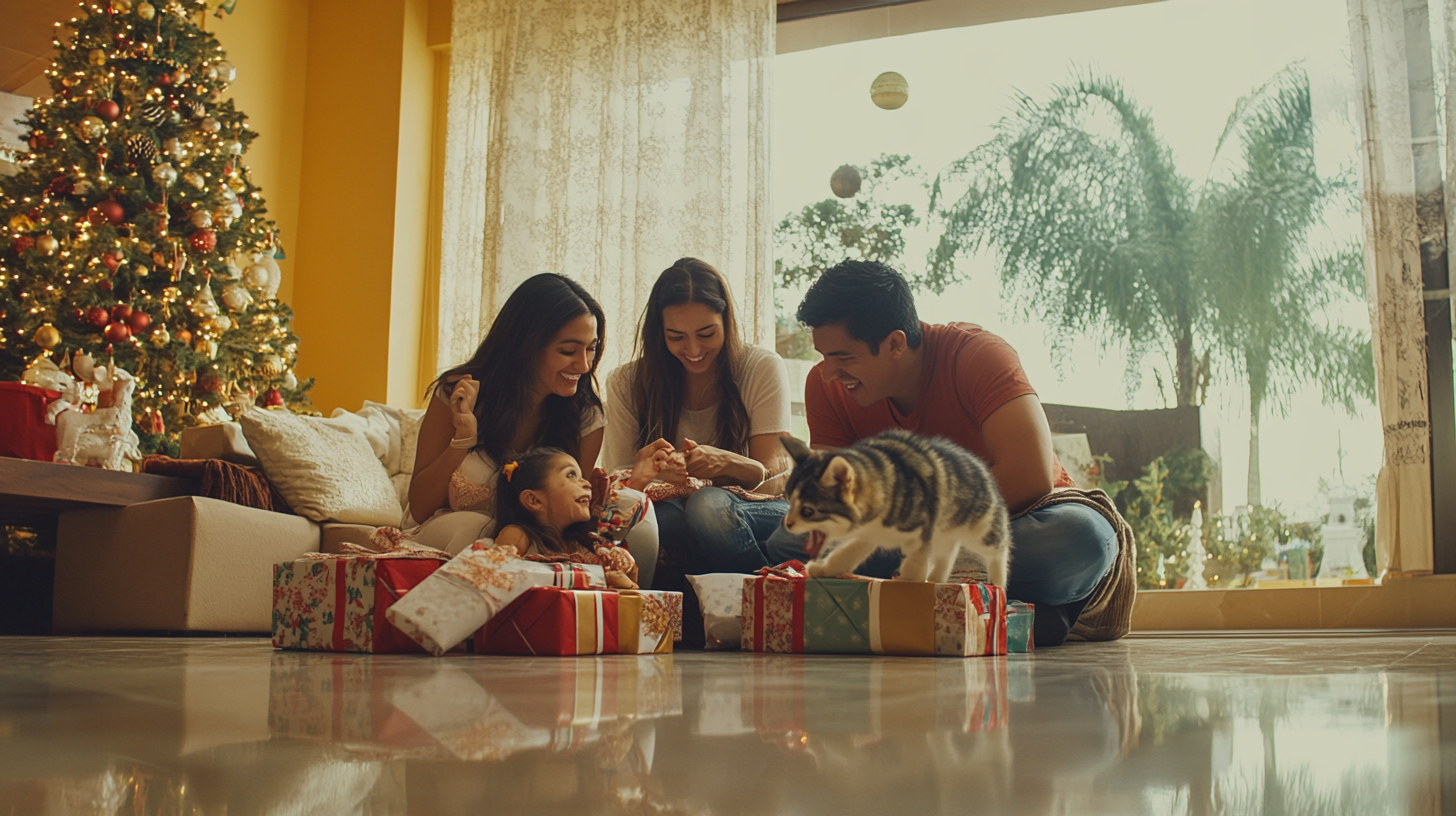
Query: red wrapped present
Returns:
{"type": "Point", "coordinates": [786, 611]}
{"type": "Point", "coordinates": [337, 603]}
{"type": "Point", "coordinates": [552, 621]}
{"type": "Point", "coordinates": [23, 415]}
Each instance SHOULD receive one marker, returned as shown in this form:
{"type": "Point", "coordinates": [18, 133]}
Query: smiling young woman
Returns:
{"type": "Point", "coordinates": [530, 384]}
{"type": "Point", "coordinates": [720, 403]}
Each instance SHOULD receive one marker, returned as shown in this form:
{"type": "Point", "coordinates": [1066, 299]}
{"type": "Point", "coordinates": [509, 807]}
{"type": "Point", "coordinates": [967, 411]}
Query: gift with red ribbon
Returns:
{"type": "Point", "coordinates": [784, 610]}
{"type": "Point", "coordinates": [337, 602]}
{"type": "Point", "coordinates": [551, 621]}
{"type": "Point", "coordinates": [28, 435]}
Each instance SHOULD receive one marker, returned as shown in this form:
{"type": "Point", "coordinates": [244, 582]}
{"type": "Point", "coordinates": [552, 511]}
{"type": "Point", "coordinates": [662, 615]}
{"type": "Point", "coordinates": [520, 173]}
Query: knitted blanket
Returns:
{"type": "Point", "coordinates": [221, 480]}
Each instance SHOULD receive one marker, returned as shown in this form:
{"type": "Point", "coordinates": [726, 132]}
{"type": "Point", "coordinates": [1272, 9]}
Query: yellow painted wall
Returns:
{"type": "Point", "coordinates": [268, 42]}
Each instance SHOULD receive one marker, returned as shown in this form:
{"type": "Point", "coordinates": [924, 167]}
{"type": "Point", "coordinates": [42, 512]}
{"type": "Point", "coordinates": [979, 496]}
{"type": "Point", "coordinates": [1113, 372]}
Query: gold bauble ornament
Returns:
{"type": "Point", "coordinates": [146, 11]}
{"type": "Point", "coordinates": [272, 365]}
{"type": "Point", "coordinates": [236, 183]}
{"type": "Point", "coordinates": [121, 6]}
{"type": "Point", "coordinates": [889, 90]}
{"type": "Point", "coordinates": [160, 336]}
{"type": "Point", "coordinates": [21, 223]}
{"type": "Point", "coordinates": [47, 337]}
{"type": "Point", "coordinates": [97, 56]}
{"type": "Point", "coordinates": [90, 127]}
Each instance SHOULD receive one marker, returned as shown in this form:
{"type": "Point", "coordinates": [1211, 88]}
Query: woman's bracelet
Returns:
{"type": "Point", "coordinates": [464, 444]}
{"type": "Point", "coordinates": [769, 478]}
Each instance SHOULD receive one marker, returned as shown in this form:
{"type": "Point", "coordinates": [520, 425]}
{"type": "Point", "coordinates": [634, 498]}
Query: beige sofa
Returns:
{"type": "Point", "coordinates": [194, 564]}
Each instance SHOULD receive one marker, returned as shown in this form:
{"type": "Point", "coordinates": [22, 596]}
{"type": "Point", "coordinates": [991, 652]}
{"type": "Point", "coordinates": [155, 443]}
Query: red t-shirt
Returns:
{"type": "Point", "coordinates": [968, 374]}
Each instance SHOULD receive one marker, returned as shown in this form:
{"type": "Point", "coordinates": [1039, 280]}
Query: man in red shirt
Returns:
{"type": "Point", "coordinates": [885, 369]}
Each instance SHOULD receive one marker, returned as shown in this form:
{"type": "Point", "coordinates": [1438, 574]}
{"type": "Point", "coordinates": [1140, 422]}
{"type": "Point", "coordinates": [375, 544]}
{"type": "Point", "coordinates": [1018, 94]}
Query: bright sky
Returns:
{"type": "Point", "coordinates": [1188, 61]}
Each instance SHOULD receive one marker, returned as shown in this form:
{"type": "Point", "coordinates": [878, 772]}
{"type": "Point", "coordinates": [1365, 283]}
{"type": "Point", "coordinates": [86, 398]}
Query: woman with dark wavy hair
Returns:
{"type": "Point", "coordinates": [530, 384]}
{"type": "Point", "coordinates": [722, 404]}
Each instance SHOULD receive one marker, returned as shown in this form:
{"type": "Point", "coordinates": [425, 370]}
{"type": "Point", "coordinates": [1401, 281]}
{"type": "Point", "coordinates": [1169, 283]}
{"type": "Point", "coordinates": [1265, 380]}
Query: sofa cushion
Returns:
{"type": "Point", "coordinates": [325, 468]}
{"type": "Point", "coordinates": [223, 441]}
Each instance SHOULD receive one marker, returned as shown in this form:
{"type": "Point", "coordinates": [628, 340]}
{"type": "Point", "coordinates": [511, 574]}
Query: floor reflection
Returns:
{"type": "Point", "coordinates": [1148, 726]}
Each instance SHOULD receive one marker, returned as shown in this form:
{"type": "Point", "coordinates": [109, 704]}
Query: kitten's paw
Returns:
{"type": "Point", "coordinates": [818, 569]}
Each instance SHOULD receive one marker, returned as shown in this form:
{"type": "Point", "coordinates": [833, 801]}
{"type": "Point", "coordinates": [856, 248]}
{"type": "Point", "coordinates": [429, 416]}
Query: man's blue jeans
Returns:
{"type": "Point", "coordinates": [1058, 555]}
{"type": "Point", "coordinates": [715, 531]}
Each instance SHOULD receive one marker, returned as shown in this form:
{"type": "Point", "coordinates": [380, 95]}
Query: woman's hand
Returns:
{"type": "Point", "coordinates": [651, 462]}
{"type": "Point", "coordinates": [706, 461]}
{"type": "Point", "coordinates": [462, 406]}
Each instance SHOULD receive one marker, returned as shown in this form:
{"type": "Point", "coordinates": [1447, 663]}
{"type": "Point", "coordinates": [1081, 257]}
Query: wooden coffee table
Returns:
{"type": "Point", "coordinates": [33, 495]}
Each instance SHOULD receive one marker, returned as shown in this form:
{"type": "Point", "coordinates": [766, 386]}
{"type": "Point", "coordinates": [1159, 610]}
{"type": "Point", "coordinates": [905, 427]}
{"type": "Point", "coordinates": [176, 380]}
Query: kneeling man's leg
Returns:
{"type": "Point", "coordinates": [1058, 556]}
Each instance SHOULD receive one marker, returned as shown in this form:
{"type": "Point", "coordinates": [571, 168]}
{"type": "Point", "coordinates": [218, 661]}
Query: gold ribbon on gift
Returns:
{"type": "Point", "coordinates": [639, 617]}
{"type": "Point", "coordinates": [902, 618]}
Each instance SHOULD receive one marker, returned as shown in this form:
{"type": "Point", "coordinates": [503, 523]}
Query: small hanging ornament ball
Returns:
{"type": "Point", "coordinates": [47, 244]}
{"type": "Point", "coordinates": [139, 322]}
{"type": "Point", "coordinates": [90, 128]}
{"type": "Point", "coordinates": [889, 90]}
{"type": "Point", "coordinates": [120, 6]}
{"type": "Point", "coordinates": [110, 210]}
{"type": "Point", "coordinates": [117, 333]}
{"type": "Point", "coordinates": [196, 180]}
{"type": "Point", "coordinates": [290, 380]}
{"type": "Point", "coordinates": [226, 71]}
{"type": "Point", "coordinates": [97, 56]}
{"type": "Point", "coordinates": [108, 110]}
{"type": "Point", "coordinates": [146, 11]}
{"type": "Point", "coordinates": [47, 337]}
{"type": "Point", "coordinates": [200, 218]}
{"type": "Point", "coordinates": [184, 337]}
{"type": "Point", "coordinates": [210, 125]}
{"type": "Point", "coordinates": [845, 181]}
{"type": "Point", "coordinates": [164, 174]}
{"type": "Point", "coordinates": [160, 336]}
{"type": "Point", "coordinates": [203, 240]}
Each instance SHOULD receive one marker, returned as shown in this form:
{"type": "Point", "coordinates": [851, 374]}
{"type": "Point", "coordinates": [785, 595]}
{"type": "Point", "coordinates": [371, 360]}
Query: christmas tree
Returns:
{"type": "Point", "coordinates": [133, 230]}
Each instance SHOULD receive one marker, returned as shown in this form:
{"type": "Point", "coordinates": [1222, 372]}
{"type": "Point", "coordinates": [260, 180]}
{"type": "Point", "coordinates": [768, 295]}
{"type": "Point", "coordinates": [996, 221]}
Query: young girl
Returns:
{"type": "Point", "coordinates": [543, 510]}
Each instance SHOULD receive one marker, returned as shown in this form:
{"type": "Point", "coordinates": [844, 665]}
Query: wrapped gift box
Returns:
{"type": "Point", "coordinates": [23, 415]}
{"type": "Point", "coordinates": [339, 603]}
{"type": "Point", "coordinates": [469, 590]}
{"type": "Point", "coordinates": [549, 621]}
{"type": "Point", "coordinates": [1020, 631]}
{"type": "Point", "coordinates": [783, 611]}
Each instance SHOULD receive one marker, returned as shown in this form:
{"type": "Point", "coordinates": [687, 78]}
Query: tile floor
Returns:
{"type": "Point", "coordinates": [1144, 726]}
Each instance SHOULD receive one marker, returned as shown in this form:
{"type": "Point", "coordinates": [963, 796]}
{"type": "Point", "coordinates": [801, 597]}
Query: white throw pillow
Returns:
{"type": "Point", "coordinates": [410, 420]}
{"type": "Point", "coordinates": [324, 468]}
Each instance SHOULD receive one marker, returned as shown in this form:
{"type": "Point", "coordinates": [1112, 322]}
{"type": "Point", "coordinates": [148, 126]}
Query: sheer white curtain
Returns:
{"type": "Point", "coordinates": [1382, 33]}
{"type": "Point", "coordinates": [603, 140]}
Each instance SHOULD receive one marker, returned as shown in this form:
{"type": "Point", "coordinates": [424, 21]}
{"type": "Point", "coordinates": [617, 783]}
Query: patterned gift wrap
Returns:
{"type": "Point", "coordinates": [338, 699]}
{"type": "Point", "coordinates": [549, 621]}
{"type": "Point", "coordinates": [339, 603]}
{"type": "Point", "coordinates": [444, 611]}
{"type": "Point", "coordinates": [1020, 628]}
{"type": "Point", "coordinates": [783, 611]}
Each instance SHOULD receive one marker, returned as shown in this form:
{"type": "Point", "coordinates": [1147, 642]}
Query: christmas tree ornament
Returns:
{"type": "Point", "coordinates": [47, 337]}
{"type": "Point", "coordinates": [164, 174]}
{"type": "Point", "coordinates": [176, 148]}
{"type": "Point", "coordinates": [98, 316]}
{"type": "Point", "coordinates": [21, 223]}
{"type": "Point", "coordinates": [160, 336]}
{"type": "Point", "coordinates": [120, 6]}
{"type": "Point", "coordinates": [200, 218]}
{"type": "Point", "coordinates": [154, 423]}
{"type": "Point", "coordinates": [112, 260]}
{"type": "Point", "coordinates": [272, 365]}
{"type": "Point", "coordinates": [210, 125]}
{"type": "Point", "coordinates": [889, 91]}
{"type": "Point", "coordinates": [846, 181]}
{"type": "Point", "coordinates": [208, 348]}
{"type": "Point", "coordinates": [47, 244]}
{"type": "Point", "coordinates": [191, 109]}
{"type": "Point", "coordinates": [141, 151]}
{"type": "Point", "coordinates": [153, 113]}
{"type": "Point", "coordinates": [97, 56]}
{"type": "Point", "coordinates": [203, 240]}
{"type": "Point", "coordinates": [179, 76]}
{"type": "Point", "coordinates": [235, 148]}
{"type": "Point", "coordinates": [21, 244]}
{"type": "Point", "coordinates": [83, 188]}
{"type": "Point", "coordinates": [139, 322]}
{"type": "Point", "coordinates": [184, 337]}
{"type": "Point", "coordinates": [107, 109]}
{"type": "Point", "coordinates": [273, 399]}
{"type": "Point", "coordinates": [235, 296]}
{"type": "Point", "coordinates": [196, 180]}
{"type": "Point", "coordinates": [90, 128]}
{"type": "Point", "coordinates": [226, 72]}
{"type": "Point", "coordinates": [121, 312]}
{"type": "Point", "coordinates": [236, 183]}
{"type": "Point", "coordinates": [290, 380]}
{"type": "Point", "coordinates": [205, 305]}
{"type": "Point", "coordinates": [146, 11]}
{"type": "Point", "coordinates": [220, 324]}
{"type": "Point", "coordinates": [117, 333]}
{"type": "Point", "coordinates": [110, 210]}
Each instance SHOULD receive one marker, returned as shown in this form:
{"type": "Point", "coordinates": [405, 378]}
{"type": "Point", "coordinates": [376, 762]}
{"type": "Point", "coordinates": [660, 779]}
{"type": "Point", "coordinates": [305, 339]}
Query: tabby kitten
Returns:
{"type": "Point", "coordinates": [926, 497]}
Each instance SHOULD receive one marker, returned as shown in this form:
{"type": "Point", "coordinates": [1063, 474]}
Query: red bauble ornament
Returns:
{"type": "Point", "coordinates": [121, 313]}
{"type": "Point", "coordinates": [108, 110]}
{"type": "Point", "coordinates": [111, 260]}
{"type": "Point", "coordinates": [111, 210]}
{"type": "Point", "coordinates": [203, 240]}
{"type": "Point", "coordinates": [184, 337]}
{"type": "Point", "coordinates": [210, 382]}
{"type": "Point", "coordinates": [274, 399]}
{"type": "Point", "coordinates": [22, 243]}
{"type": "Point", "coordinates": [164, 79]}
{"type": "Point", "coordinates": [63, 185]}
{"type": "Point", "coordinates": [105, 286]}
{"type": "Point", "coordinates": [139, 322]}
{"type": "Point", "coordinates": [117, 333]}
{"type": "Point", "coordinates": [98, 316]}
